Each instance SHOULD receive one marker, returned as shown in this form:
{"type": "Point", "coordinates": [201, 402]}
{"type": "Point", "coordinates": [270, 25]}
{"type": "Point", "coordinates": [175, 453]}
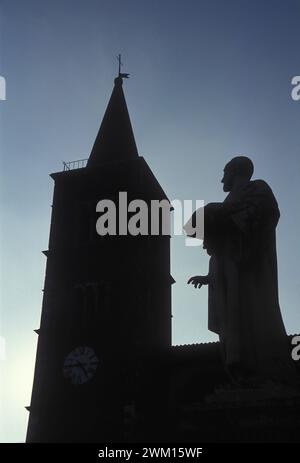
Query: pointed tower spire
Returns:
{"type": "Point", "coordinates": [115, 140]}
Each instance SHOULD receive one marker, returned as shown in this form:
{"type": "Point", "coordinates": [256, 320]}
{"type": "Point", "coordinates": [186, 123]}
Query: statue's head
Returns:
{"type": "Point", "coordinates": [237, 171]}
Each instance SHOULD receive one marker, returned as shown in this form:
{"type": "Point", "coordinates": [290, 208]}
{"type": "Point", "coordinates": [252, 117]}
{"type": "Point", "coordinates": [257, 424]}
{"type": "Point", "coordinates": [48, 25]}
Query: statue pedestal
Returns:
{"type": "Point", "coordinates": [268, 413]}
{"type": "Point", "coordinates": [250, 395]}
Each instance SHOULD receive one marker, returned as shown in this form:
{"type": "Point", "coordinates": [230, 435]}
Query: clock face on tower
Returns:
{"type": "Point", "coordinates": [80, 365]}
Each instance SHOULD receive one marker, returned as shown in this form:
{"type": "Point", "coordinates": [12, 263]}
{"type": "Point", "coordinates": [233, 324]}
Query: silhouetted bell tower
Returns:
{"type": "Point", "coordinates": [107, 299]}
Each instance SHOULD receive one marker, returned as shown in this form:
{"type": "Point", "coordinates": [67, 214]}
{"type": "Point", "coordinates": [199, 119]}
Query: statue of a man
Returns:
{"type": "Point", "coordinates": [239, 235]}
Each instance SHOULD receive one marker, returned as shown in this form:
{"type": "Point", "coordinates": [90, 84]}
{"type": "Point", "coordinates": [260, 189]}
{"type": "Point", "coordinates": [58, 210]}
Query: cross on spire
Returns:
{"type": "Point", "coordinates": [120, 74]}
{"type": "Point", "coordinates": [119, 58]}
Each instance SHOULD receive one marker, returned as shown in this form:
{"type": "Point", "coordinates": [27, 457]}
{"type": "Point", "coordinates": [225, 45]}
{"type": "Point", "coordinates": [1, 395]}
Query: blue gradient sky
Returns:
{"type": "Point", "coordinates": [209, 79]}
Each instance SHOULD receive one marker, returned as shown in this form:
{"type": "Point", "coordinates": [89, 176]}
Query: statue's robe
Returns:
{"type": "Point", "coordinates": [243, 289]}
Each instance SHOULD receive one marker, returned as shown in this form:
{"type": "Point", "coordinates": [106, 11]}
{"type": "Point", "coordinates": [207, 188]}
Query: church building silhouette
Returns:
{"type": "Point", "coordinates": [106, 370]}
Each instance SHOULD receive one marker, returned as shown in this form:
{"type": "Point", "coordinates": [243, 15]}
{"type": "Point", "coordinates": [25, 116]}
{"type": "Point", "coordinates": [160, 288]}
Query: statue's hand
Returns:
{"type": "Point", "coordinates": [198, 281]}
